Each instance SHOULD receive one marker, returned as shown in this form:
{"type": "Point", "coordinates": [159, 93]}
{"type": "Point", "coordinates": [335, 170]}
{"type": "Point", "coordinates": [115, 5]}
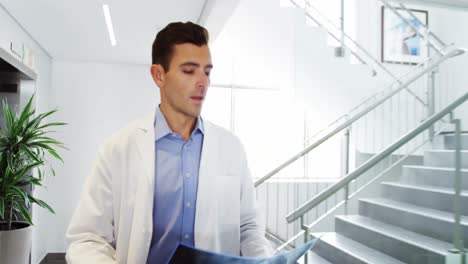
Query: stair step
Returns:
{"type": "Point", "coordinates": [337, 248]}
{"type": "Point", "coordinates": [421, 220]}
{"type": "Point", "coordinates": [402, 244]}
{"type": "Point", "coordinates": [449, 141]}
{"type": "Point", "coordinates": [428, 188]}
{"type": "Point", "coordinates": [436, 197]}
{"type": "Point", "coordinates": [432, 175]}
{"type": "Point", "coordinates": [444, 158]}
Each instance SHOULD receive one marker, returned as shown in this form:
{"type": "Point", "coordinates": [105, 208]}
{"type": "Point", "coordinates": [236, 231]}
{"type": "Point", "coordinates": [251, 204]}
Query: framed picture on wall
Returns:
{"type": "Point", "coordinates": [400, 42]}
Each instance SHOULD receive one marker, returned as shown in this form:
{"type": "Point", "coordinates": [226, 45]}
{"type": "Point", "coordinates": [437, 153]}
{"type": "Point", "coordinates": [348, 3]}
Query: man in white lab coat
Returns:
{"type": "Point", "coordinates": [171, 178]}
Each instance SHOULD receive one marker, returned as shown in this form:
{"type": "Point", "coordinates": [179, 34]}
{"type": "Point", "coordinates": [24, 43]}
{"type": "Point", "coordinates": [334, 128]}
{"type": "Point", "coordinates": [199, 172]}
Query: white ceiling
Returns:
{"type": "Point", "coordinates": [77, 30]}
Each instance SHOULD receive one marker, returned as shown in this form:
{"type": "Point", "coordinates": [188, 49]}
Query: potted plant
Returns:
{"type": "Point", "coordinates": [24, 143]}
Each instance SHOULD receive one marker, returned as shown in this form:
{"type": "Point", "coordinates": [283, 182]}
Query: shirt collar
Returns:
{"type": "Point", "coordinates": [162, 129]}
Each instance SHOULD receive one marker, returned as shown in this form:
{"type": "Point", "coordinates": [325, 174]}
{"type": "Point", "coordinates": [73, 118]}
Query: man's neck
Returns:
{"type": "Point", "coordinates": [178, 122]}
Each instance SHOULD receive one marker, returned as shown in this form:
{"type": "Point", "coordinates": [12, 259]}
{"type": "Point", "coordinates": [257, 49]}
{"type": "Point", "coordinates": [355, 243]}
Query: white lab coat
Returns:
{"type": "Point", "coordinates": [113, 222]}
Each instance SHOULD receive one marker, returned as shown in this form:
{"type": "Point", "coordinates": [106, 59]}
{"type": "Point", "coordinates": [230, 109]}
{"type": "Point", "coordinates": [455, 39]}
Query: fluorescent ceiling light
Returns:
{"type": "Point", "coordinates": [110, 28]}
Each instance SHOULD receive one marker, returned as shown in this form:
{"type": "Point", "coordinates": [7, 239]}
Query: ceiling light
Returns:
{"type": "Point", "coordinates": [110, 28]}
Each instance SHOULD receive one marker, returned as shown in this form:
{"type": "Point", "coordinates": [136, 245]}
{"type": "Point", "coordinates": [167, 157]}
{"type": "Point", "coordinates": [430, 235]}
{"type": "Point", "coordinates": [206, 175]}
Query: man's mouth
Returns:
{"type": "Point", "coordinates": [197, 98]}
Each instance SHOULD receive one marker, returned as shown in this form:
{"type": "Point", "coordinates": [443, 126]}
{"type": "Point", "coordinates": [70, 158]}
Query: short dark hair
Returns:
{"type": "Point", "coordinates": [176, 33]}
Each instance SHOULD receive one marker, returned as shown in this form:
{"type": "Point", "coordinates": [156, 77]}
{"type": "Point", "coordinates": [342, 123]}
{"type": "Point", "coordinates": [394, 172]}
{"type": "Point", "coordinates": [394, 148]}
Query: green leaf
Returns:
{"type": "Point", "coordinates": [37, 133]}
{"type": "Point", "coordinates": [8, 116]}
{"type": "Point", "coordinates": [24, 213]}
{"type": "Point", "coordinates": [27, 110]}
{"type": "Point", "coordinates": [49, 142]}
{"type": "Point", "coordinates": [9, 164]}
{"type": "Point", "coordinates": [34, 123]}
{"type": "Point", "coordinates": [20, 193]}
{"type": "Point", "coordinates": [41, 117]}
{"type": "Point", "coordinates": [40, 145]}
{"type": "Point", "coordinates": [41, 204]}
{"type": "Point", "coordinates": [52, 124]}
{"type": "Point", "coordinates": [29, 180]}
{"type": "Point", "coordinates": [32, 165]}
{"type": "Point", "coordinates": [2, 208]}
{"type": "Point", "coordinates": [57, 156]}
{"type": "Point", "coordinates": [40, 174]}
{"type": "Point", "coordinates": [31, 154]}
{"type": "Point", "coordinates": [25, 169]}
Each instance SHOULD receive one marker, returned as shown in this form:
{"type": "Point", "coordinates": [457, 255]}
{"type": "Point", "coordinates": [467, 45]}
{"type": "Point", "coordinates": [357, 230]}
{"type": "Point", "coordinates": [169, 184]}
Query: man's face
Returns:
{"type": "Point", "coordinates": [184, 86]}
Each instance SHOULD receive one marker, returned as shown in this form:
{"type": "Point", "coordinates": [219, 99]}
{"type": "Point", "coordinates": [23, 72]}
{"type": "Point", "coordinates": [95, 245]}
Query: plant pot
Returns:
{"type": "Point", "coordinates": [15, 245]}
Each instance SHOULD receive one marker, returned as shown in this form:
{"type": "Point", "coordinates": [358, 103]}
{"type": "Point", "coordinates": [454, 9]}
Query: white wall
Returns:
{"type": "Point", "coordinates": [268, 46]}
{"type": "Point", "coordinates": [12, 31]}
{"type": "Point", "coordinates": [256, 49]}
{"type": "Point", "coordinates": [447, 23]}
{"type": "Point", "coordinates": [96, 100]}
{"type": "Point", "coordinates": [256, 46]}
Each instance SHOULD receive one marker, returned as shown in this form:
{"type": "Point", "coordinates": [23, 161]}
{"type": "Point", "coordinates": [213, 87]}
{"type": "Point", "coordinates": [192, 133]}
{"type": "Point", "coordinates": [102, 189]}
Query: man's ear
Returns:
{"type": "Point", "coordinates": [157, 72]}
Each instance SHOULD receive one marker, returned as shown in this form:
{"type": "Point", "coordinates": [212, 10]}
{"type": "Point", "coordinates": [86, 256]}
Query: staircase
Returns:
{"type": "Point", "coordinates": [412, 221]}
{"type": "Point", "coordinates": [406, 217]}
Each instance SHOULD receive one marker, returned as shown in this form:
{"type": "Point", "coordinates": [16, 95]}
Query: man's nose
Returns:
{"type": "Point", "coordinates": [203, 81]}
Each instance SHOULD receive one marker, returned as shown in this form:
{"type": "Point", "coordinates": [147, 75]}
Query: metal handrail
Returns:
{"type": "Point", "coordinates": [272, 236]}
{"type": "Point", "coordinates": [356, 192]}
{"type": "Point", "coordinates": [372, 58]}
{"type": "Point", "coordinates": [290, 241]}
{"type": "Point", "coordinates": [318, 142]}
{"type": "Point", "coordinates": [420, 22]}
{"type": "Point", "coordinates": [397, 80]}
{"type": "Point", "coordinates": [330, 33]}
{"type": "Point", "coordinates": [299, 212]}
{"type": "Point", "coordinates": [458, 237]}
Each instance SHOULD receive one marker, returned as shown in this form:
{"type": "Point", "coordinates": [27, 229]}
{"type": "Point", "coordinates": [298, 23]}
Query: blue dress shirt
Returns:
{"type": "Point", "coordinates": [175, 189]}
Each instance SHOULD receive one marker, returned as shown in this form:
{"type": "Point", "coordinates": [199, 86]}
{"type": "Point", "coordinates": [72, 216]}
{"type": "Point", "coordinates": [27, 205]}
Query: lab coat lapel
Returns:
{"type": "Point", "coordinates": [143, 217]}
{"type": "Point", "coordinates": [146, 148]}
{"type": "Point", "coordinates": [206, 221]}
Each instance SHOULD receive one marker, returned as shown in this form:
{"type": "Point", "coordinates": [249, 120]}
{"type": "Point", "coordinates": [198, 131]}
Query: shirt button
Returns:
{"type": "Point", "coordinates": [188, 204]}
{"type": "Point", "coordinates": [186, 236]}
{"type": "Point", "coordinates": [187, 174]}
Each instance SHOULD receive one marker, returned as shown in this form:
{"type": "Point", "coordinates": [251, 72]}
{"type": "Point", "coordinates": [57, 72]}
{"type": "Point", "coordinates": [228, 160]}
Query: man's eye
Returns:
{"type": "Point", "coordinates": [207, 73]}
{"type": "Point", "coordinates": [188, 71]}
